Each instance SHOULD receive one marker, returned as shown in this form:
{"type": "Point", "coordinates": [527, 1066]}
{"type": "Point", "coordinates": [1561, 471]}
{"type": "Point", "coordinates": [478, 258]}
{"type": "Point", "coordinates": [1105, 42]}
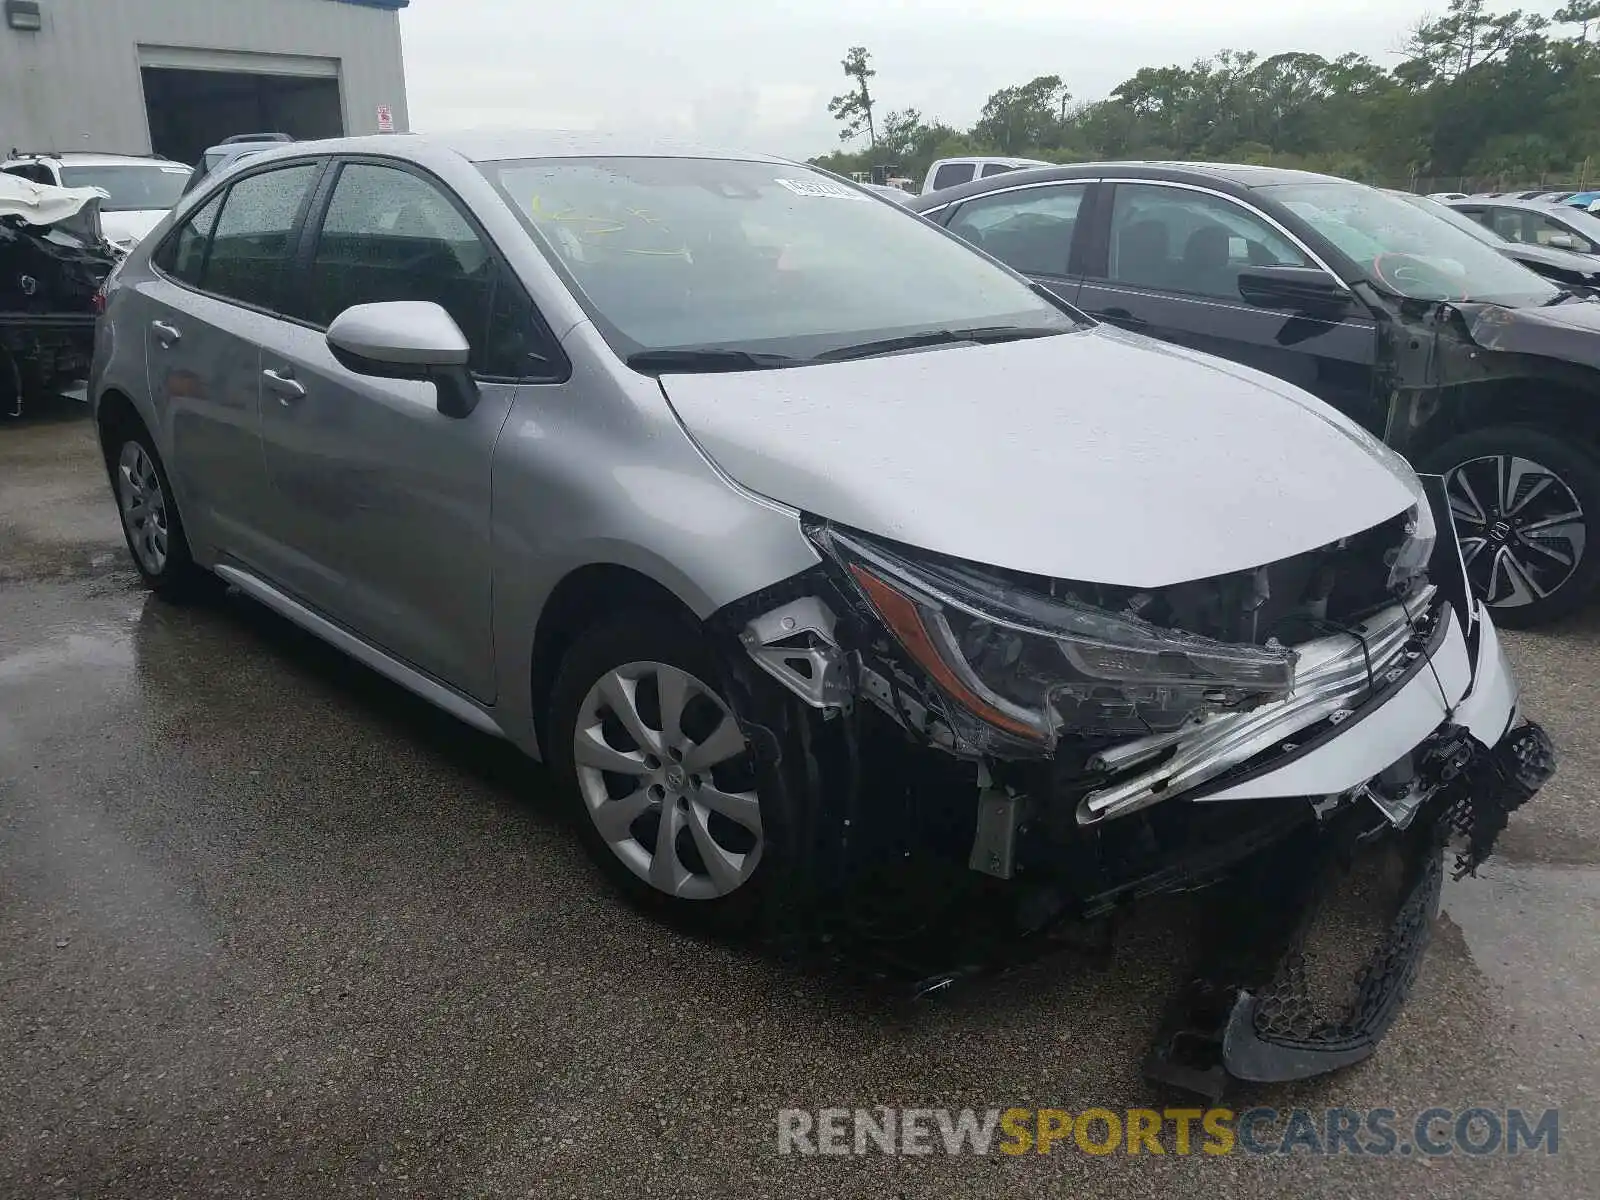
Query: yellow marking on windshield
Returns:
{"type": "Point", "coordinates": [595, 225]}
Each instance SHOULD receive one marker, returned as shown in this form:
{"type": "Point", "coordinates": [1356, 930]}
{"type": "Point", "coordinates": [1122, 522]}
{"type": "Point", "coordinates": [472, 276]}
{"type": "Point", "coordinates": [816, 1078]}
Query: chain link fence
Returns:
{"type": "Point", "coordinates": [1473, 185]}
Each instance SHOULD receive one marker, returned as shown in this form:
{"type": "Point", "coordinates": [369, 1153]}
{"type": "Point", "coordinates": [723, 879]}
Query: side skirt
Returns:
{"type": "Point", "coordinates": [438, 694]}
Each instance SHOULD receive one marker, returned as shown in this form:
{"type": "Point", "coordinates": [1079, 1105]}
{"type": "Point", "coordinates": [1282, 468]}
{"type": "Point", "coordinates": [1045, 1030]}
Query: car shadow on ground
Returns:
{"type": "Point", "coordinates": [270, 670]}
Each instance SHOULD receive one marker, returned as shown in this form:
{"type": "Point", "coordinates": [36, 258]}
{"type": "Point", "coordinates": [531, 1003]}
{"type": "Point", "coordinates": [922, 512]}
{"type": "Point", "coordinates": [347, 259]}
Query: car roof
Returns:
{"type": "Point", "coordinates": [990, 158]}
{"type": "Point", "coordinates": [236, 147]}
{"type": "Point", "coordinates": [1514, 202]}
{"type": "Point", "coordinates": [88, 158]}
{"type": "Point", "coordinates": [487, 146]}
{"type": "Point", "coordinates": [1236, 177]}
{"type": "Point", "coordinates": [1244, 174]}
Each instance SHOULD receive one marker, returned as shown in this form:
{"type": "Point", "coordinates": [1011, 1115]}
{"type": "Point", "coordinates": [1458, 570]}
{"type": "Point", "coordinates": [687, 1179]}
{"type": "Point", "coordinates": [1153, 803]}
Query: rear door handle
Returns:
{"type": "Point", "coordinates": [165, 334]}
{"type": "Point", "coordinates": [284, 385]}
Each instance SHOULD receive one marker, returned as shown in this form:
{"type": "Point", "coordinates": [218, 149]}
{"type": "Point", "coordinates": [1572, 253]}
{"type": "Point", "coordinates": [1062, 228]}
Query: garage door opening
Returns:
{"type": "Point", "coordinates": [191, 110]}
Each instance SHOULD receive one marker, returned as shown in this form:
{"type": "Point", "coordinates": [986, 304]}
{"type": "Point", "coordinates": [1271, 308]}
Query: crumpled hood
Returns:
{"type": "Point", "coordinates": [1570, 332]}
{"type": "Point", "coordinates": [1100, 456]}
{"type": "Point", "coordinates": [42, 205]}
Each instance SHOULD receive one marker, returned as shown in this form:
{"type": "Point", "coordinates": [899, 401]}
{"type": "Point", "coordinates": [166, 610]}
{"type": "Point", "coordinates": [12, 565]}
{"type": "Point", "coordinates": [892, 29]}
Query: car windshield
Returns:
{"type": "Point", "coordinates": [1579, 219]}
{"type": "Point", "coordinates": [1409, 251]}
{"type": "Point", "coordinates": [131, 186]}
{"type": "Point", "coordinates": [679, 254]}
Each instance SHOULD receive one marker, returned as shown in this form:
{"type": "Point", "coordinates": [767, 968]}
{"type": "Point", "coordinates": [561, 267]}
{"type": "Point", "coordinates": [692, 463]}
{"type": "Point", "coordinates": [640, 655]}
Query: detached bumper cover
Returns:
{"type": "Point", "coordinates": [1248, 1014]}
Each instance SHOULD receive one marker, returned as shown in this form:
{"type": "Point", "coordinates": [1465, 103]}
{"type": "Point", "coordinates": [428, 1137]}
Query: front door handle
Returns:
{"type": "Point", "coordinates": [165, 334]}
{"type": "Point", "coordinates": [284, 385]}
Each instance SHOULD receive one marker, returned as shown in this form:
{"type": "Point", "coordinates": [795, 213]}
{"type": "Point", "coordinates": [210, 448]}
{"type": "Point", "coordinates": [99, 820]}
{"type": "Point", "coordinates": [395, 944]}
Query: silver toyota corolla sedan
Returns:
{"type": "Point", "coordinates": [800, 538]}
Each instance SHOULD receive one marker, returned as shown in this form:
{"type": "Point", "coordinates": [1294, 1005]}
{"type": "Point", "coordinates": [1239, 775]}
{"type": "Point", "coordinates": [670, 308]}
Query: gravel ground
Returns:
{"type": "Point", "coordinates": [269, 927]}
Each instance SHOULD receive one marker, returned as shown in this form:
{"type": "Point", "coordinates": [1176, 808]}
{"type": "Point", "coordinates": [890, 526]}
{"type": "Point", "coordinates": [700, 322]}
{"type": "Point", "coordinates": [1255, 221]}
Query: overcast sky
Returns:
{"type": "Point", "coordinates": [757, 74]}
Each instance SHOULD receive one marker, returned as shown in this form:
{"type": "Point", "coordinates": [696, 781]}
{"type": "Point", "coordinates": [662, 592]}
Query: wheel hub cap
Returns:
{"type": "Point", "coordinates": [1521, 528]}
{"type": "Point", "coordinates": [665, 774]}
{"type": "Point", "coordinates": [144, 507]}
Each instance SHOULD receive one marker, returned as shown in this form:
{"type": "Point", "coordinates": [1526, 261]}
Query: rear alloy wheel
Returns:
{"type": "Point", "coordinates": [144, 508]}
{"type": "Point", "coordinates": [150, 519]}
{"type": "Point", "coordinates": [1522, 502]}
{"type": "Point", "coordinates": [663, 774]}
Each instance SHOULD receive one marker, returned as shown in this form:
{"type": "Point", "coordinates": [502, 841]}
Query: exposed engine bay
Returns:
{"type": "Point", "coordinates": [1078, 746]}
{"type": "Point", "coordinates": [53, 260]}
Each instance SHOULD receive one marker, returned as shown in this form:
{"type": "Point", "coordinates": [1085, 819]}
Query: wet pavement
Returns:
{"type": "Point", "coordinates": [269, 927]}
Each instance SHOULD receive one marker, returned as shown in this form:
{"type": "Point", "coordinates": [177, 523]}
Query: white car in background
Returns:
{"type": "Point", "coordinates": [139, 189]}
{"type": "Point", "coordinates": [949, 172]}
{"type": "Point", "coordinates": [898, 195]}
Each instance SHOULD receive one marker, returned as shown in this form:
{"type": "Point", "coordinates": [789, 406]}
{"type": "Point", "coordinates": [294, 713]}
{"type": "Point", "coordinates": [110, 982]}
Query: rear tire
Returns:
{"type": "Point", "coordinates": [150, 520]}
{"type": "Point", "coordinates": [662, 782]}
{"type": "Point", "coordinates": [1526, 505]}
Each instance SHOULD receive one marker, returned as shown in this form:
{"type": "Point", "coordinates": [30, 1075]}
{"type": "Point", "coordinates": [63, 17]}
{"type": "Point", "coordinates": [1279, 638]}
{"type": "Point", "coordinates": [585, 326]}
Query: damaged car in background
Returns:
{"type": "Point", "coordinates": [855, 589]}
{"type": "Point", "coordinates": [53, 260]}
{"type": "Point", "coordinates": [1468, 363]}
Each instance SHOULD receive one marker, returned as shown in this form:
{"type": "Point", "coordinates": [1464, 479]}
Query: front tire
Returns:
{"type": "Point", "coordinates": [664, 786]}
{"type": "Point", "coordinates": [1525, 502]}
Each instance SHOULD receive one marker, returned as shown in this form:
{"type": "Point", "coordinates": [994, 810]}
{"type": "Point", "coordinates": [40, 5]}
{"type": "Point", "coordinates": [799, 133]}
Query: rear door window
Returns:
{"type": "Point", "coordinates": [251, 241]}
{"type": "Point", "coordinates": [183, 254]}
{"type": "Point", "coordinates": [951, 174]}
{"type": "Point", "coordinates": [1030, 230]}
{"type": "Point", "coordinates": [996, 169]}
{"type": "Point", "coordinates": [1508, 223]}
{"type": "Point", "coordinates": [32, 172]}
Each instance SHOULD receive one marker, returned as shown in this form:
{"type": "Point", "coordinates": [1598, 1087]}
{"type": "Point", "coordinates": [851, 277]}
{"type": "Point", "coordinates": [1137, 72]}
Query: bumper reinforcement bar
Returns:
{"type": "Point", "coordinates": [1247, 1014]}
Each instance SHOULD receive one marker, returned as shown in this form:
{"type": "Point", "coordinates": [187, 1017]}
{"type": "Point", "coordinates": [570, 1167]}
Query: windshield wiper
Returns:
{"type": "Point", "coordinates": [1561, 297]}
{"type": "Point", "coordinates": [985, 334]}
{"type": "Point", "coordinates": [703, 359]}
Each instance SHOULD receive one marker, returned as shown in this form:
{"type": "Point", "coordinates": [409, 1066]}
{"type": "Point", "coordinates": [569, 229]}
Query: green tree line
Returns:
{"type": "Point", "coordinates": [1478, 96]}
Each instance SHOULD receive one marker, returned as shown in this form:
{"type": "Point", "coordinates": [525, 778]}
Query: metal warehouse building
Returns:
{"type": "Point", "coordinates": [175, 76]}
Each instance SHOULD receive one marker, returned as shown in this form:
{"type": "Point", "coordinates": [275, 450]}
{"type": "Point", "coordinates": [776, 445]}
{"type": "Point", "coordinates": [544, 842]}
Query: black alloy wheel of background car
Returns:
{"type": "Point", "coordinates": [1522, 500]}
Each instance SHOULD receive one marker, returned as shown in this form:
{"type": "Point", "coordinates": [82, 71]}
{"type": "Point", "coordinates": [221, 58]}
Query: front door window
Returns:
{"type": "Point", "coordinates": [1177, 240]}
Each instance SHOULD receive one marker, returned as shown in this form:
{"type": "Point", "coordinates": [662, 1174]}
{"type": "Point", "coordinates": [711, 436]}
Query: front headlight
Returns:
{"type": "Point", "coordinates": [1411, 557]}
{"type": "Point", "coordinates": [1037, 667]}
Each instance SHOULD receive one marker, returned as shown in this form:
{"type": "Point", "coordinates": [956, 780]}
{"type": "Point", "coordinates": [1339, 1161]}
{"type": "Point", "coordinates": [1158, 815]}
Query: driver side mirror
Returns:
{"type": "Point", "coordinates": [407, 339]}
{"type": "Point", "coordinates": [1308, 291]}
{"type": "Point", "coordinates": [1562, 241]}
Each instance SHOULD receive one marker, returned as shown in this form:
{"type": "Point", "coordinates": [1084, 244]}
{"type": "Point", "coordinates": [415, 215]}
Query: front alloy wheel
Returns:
{"type": "Point", "coordinates": [1522, 500]}
{"type": "Point", "coordinates": [664, 772]}
{"type": "Point", "coordinates": [1521, 527]}
{"type": "Point", "coordinates": [143, 502]}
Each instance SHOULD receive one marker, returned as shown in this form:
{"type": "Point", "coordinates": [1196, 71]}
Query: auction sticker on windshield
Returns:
{"type": "Point", "coordinates": [820, 188]}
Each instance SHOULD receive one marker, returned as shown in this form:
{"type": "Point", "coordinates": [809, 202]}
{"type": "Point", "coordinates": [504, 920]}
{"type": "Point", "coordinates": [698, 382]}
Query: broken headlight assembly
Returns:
{"type": "Point", "coordinates": [1408, 562]}
{"type": "Point", "coordinates": [1034, 667]}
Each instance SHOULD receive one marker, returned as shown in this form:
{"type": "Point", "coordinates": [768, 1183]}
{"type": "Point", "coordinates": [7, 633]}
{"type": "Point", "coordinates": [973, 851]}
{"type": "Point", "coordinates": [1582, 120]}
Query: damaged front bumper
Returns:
{"type": "Point", "coordinates": [1250, 1010]}
{"type": "Point", "coordinates": [1400, 735]}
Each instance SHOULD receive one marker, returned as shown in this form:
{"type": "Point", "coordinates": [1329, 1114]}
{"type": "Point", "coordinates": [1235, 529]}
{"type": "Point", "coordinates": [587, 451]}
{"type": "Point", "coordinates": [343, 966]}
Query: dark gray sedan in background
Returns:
{"type": "Point", "coordinates": [1565, 268]}
{"type": "Point", "coordinates": [1463, 360]}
